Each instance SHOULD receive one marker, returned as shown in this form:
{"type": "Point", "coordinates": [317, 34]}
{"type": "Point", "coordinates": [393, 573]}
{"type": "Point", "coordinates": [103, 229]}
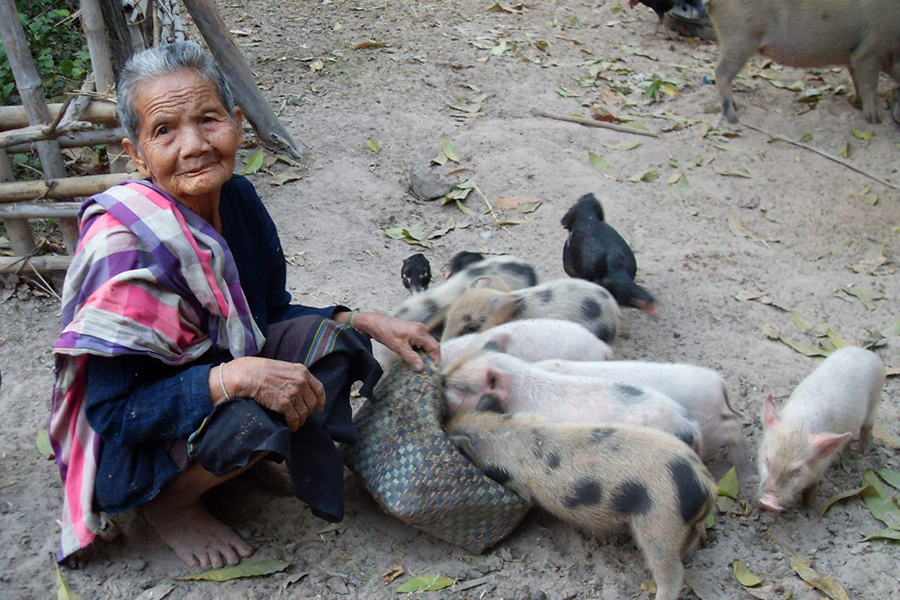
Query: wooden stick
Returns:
{"type": "Point", "coordinates": [40, 210]}
{"type": "Point", "coordinates": [74, 139]}
{"type": "Point", "coordinates": [14, 264]}
{"type": "Point", "coordinates": [240, 78]}
{"type": "Point", "coordinates": [67, 187]}
{"type": "Point", "coordinates": [39, 133]}
{"type": "Point", "coordinates": [827, 155]}
{"type": "Point", "coordinates": [101, 112]}
{"type": "Point", "coordinates": [592, 123]}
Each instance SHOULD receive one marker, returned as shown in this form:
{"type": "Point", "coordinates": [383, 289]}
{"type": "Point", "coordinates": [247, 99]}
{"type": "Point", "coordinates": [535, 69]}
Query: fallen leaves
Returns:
{"type": "Point", "coordinates": [394, 573]}
{"type": "Point", "coordinates": [63, 590]}
{"type": "Point", "coordinates": [824, 583]}
{"type": "Point", "coordinates": [425, 583]}
{"type": "Point", "coordinates": [373, 145]}
{"type": "Point", "coordinates": [254, 568]}
{"type": "Point", "coordinates": [448, 151]}
{"type": "Point", "coordinates": [253, 165]}
{"type": "Point", "coordinates": [43, 444]}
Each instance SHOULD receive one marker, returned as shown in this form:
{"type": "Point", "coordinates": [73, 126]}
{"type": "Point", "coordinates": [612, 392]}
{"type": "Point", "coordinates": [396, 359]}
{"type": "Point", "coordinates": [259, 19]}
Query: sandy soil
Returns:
{"type": "Point", "coordinates": [789, 236]}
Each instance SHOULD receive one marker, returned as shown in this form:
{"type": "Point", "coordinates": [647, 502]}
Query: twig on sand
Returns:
{"type": "Point", "coordinates": [827, 155]}
{"type": "Point", "coordinates": [491, 209]}
{"type": "Point", "coordinates": [592, 123]}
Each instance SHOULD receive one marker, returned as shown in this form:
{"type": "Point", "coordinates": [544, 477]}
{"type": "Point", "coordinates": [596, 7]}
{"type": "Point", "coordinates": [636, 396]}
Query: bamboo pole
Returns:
{"type": "Point", "coordinates": [121, 45]}
{"type": "Point", "coordinates": [6, 173]}
{"type": "Point", "coordinates": [77, 139]}
{"type": "Point", "coordinates": [104, 79]}
{"type": "Point", "coordinates": [240, 78]}
{"type": "Point", "coordinates": [55, 189]}
{"type": "Point", "coordinates": [28, 82]}
{"type": "Point", "coordinates": [41, 264]}
{"type": "Point", "coordinates": [40, 210]}
{"type": "Point", "coordinates": [99, 112]}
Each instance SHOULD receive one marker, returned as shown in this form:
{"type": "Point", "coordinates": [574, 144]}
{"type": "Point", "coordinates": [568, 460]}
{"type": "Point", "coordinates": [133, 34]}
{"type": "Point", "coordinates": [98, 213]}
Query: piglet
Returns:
{"type": "Point", "coordinates": [600, 478]}
{"type": "Point", "coordinates": [482, 307]}
{"type": "Point", "coordinates": [862, 34]}
{"type": "Point", "coordinates": [836, 401]}
{"type": "Point", "coordinates": [702, 392]}
{"type": "Point", "coordinates": [520, 387]}
{"type": "Point", "coordinates": [531, 340]}
{"type": "Point", "coordinates": [430, 307]}
{"type": "Point", "coordinates": [460, 261]}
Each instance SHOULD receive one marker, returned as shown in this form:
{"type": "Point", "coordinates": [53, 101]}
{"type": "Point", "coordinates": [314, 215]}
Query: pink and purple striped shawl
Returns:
{"type": "Point", "coordinates": [149, 277]}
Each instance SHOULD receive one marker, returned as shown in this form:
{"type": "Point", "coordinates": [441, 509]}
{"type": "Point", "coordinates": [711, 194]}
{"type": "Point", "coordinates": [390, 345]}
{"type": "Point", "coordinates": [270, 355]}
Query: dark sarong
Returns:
{"type": "Point", "coordinates": [237, 431]}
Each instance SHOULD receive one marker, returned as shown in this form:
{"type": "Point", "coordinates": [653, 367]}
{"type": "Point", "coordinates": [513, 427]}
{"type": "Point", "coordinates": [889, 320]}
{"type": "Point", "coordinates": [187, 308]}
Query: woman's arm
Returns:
{"type": "Point", "coordinates": [403, 337]}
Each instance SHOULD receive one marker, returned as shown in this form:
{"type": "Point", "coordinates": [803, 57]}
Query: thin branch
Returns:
{"type": "Point", "coordinates": [592, 123]}
{"type": "Point", "coordinates": [827, 155]}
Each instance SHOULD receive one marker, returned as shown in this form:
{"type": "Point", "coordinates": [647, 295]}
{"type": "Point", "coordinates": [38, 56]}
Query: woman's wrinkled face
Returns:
{"type": "Point", "coordinates": [187, 141]}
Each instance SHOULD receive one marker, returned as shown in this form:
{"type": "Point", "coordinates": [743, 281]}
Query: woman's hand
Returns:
{"type": "Point", "coordinates": [403, 337]}
{"type": "Point", "coordinates": [286, 388]}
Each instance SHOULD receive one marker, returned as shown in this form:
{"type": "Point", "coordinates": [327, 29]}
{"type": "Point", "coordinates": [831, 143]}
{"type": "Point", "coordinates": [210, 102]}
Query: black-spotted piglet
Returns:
{"type": "Point", "coordinates": [835, 402]}
{"type": "Point", "coordinates": [599, 478]}
{"type": "Point", "coordinates": [482, 307]}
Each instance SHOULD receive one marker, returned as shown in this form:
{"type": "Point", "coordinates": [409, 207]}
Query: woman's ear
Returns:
{"type": "Point", "coordinates": [135, 155]}
{"type": "Point", "coordinates": [239, 121]}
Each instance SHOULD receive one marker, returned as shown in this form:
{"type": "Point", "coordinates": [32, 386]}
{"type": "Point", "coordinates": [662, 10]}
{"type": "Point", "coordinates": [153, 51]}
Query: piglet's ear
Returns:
{"type": "Point", "coordinates": [464, 443]}
{"type": "Point", "coordinates": [770, 413]}
{"type": "Point", "coordinates": [828, 443]}
{"type": "Point", "coordinates": [480, 282]}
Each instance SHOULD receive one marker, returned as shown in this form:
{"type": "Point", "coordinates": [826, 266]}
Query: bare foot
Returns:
{"type": "Point", "coordinates": [272, 476]}
{"type": "Point", "coordinates": [196, 536]}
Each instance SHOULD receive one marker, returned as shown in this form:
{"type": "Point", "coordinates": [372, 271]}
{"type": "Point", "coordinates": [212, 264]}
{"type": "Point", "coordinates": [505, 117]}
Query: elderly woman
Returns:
{"type": "Point", "coordinates": [182, 362]}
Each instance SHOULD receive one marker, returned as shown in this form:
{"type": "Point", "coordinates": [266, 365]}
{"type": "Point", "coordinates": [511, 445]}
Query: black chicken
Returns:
{"type": "Point", "coordinates": [416, 273]}
{"type": "Point", "coordinates": [596, 252]}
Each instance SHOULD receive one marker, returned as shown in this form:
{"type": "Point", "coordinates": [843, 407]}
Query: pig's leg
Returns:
{"type": "Point", "coordinates": [734, 55]}
{"type": "Point", "coordinates": [663, 558]}
{"type": "Point", "coordinates": [865, 437]}
{"type": "Point", "coordinates": [739, 456]}
{"type": "Point", "coordinates": [808, 495]}
{"type": "Point", "coordinates": [864, 68]}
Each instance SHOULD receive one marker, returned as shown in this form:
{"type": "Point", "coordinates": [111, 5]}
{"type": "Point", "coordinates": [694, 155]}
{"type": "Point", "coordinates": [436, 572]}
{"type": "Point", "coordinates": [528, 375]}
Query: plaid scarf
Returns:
{"type": "Point", "coordinates": [149, 277]}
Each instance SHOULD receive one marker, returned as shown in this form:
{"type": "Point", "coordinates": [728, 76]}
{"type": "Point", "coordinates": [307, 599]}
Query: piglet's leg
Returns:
{"type": "Point", "coordinates": [663, 557]}
{"type": "Point", "coordinates": [864, 68]}
{"type": "Point", "coordinates": [734, 54]}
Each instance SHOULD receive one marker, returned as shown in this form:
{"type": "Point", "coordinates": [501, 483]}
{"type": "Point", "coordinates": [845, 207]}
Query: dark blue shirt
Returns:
{"type": "Point", "coordinates": [136, 403]}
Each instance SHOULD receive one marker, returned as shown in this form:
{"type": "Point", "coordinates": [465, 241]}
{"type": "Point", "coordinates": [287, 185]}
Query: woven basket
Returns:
{"type": "Point", "coordinates": [415, 473]}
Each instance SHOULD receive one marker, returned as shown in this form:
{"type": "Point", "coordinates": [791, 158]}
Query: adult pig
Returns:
{"type": "Point", "coordinates": [599, 478]}
{"type": "Point", "coordinates": [482, 307]}
{"type": "Point", "coordinates": [702, 392]}
{"type": "Point", "coordinates": [837, 400]}
{"type": "Point", "coordinates": [520, 387]}
{"type": "Point", "coordinates": [864, 35]}
{"type": "Point", "coordinates": [531, 340]}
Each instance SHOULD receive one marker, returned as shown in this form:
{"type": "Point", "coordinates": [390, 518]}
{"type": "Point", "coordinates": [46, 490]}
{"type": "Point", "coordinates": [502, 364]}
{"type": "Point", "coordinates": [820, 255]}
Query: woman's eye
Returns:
{"type": "Point", "coordinates": [162, 131]}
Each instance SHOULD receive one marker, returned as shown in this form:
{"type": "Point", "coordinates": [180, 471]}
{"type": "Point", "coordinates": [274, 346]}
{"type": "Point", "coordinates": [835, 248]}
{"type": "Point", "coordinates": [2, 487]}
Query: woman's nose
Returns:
{"type": "Point", "coordinates": [193, 141]}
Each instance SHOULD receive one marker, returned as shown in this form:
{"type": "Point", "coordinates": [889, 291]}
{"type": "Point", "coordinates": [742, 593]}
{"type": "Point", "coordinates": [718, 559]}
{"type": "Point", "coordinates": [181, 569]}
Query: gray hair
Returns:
{"type": "Point", "coordinates": [164, 60]}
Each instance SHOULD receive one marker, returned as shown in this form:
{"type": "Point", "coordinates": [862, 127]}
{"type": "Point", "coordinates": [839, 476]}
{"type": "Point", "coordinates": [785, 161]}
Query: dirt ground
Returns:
{"type": "Point", "coordinates": [753, 232]}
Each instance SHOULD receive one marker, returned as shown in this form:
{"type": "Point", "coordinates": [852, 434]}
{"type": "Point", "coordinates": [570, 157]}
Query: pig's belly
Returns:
{"type": "Point", "coordinates": [806, 46]}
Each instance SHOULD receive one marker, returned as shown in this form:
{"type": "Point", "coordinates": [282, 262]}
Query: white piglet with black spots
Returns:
{"type": "Point", "coordinates": [600, 478]}
{"type": "Point", "coordinates": [576, 300]}
{"type": "Point", "coordinates": [521, 387]}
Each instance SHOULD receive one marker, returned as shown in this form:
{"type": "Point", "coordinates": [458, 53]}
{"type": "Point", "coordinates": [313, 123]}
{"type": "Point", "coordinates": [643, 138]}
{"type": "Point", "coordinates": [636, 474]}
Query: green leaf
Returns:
{"type": "Point", "coordinates": [744, 174]}
{"type": "Point", "coordinates": [265, 566]}
{"type": "Point", "coordinates": [600, 163]}
{"type": "Point", "coordinates": [499, 48]}
{"type": "Point", "coordinates": [864, 296]}
{"type": "Point", "coordinates": [843, 496]}
{"type": "Point", "coordinates": [836, 338]}
{"type": "Point", "coordinates": [727, 148]}
{"type": "Point", "coordinates": [880, 503]}
{"type": "Point", "coordinates": [861, 135]}
{"type": "Point", "coordinates": [825, 583]}
{"type": "Point", "coordinates": [467, 211]}
{"type": "Point", "coordinates": [891, 477]}
{"type": "Point", "coordinates": [448, 146]}
{"type": "Point", "coordinates": [883, 534]}
{"type": "Point", "coordinates": [648, 176]}
{"type": "Point", "coordinates": [372, 144]}
{"type": "Point", "coordinates": [528, 207]}
{"type": "Point", "coordinates": [800, 323]}
{"type": "Point", "coordinates": [804, 348]}
{"type": "Point", "coordinates": [624, 145]}
{"type": "Point", "coordinates": [43, 444]}
{"type": "Point", "coordinates": [63, 590]}
{"type": "Point", "coordinates": [845, 152]}
{"type": "Point", "coordinates": [425, 583]}
{"type": "Point", "coordinates": [744, 576]}
{"type": "Point", "coordinates": [395, 233]}
{"type": "Point", "coordinates": [728, 485]}
{"type": "Point", "coordinates": [806, 137]}
{"type": "Point", "coordinates": [254, 163]}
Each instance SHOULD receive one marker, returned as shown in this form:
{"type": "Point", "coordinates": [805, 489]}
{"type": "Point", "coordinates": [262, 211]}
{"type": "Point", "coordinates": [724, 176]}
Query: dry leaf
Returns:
{"type": "Point", "coordinates": [370, 44]}
{"type": "Point", "coordinates": [744, 576]}
{"type": "Point", "coordinates": [507, 203]}
{"type": "Point", "coordinates": [825, 583]}
{"type": "Point", "coordinates": [265, 566]}
{"type": "Point", "coordinates": [394, 573]}
{"type": "Point", "coordinates": [283, 178]}
{"type": "Point", "coordinates": [425, 583]}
